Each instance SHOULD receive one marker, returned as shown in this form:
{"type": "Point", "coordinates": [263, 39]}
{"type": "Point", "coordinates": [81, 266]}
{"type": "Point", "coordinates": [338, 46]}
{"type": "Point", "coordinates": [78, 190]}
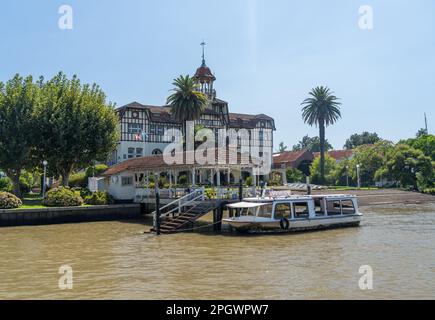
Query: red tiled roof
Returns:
{"type": "Point", "coordinates": [204, 73]}
{"type": "Point", "coordinates": [337, 154]}
{"type": "Point", "coordinates": [288, 156]}
{"type": "Point", "coordinates": [157, 162]}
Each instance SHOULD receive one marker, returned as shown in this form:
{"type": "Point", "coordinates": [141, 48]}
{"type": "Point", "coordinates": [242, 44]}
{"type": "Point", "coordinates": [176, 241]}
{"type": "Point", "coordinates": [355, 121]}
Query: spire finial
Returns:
{"type": "Point", "coordinates": [203, 54]}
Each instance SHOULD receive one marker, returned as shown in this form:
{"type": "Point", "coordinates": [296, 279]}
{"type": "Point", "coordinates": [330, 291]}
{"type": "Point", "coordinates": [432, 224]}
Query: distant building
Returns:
{"type": "Point", "coordinates": [302, 160]}
{"type": "Point", "coordinates": [338, 155]}
{"type": "Point", "coordinates": [283, 161]}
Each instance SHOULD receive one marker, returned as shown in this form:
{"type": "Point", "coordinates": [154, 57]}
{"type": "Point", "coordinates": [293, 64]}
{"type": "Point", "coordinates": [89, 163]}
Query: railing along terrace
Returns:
{"type": "Point", "coordinates": [230, 193]}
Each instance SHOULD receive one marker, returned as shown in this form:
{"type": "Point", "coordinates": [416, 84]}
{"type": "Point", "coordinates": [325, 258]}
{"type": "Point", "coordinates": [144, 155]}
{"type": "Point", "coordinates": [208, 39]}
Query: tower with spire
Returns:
{"type": "Point", "coordinates": [204, 77]}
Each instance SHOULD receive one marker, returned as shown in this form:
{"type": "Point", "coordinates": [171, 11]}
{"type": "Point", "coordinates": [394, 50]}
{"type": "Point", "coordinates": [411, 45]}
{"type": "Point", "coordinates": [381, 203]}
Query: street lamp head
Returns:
{"type": "Point", "coordinates": [44, 162]}
{"type": "Point", "coordinates": [357, 166]}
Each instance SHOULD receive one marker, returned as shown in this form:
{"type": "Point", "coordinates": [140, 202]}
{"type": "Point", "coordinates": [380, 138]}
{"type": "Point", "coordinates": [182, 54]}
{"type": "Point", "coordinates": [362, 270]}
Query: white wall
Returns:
{"type": "Point", "coordinates": [148, 147]}
{"type": "Point", "coordinates": [117, 190]}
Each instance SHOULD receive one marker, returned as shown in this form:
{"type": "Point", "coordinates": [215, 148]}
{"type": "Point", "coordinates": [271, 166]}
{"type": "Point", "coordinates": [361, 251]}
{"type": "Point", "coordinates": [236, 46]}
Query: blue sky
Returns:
{"type": "Point", "coordinates": [266, 55]}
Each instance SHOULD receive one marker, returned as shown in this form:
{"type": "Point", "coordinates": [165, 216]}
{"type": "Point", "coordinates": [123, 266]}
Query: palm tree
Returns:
{"type": "Point", "coordinates": [321, 109]}
{"type": "Point", "coordinates": [187, 102]}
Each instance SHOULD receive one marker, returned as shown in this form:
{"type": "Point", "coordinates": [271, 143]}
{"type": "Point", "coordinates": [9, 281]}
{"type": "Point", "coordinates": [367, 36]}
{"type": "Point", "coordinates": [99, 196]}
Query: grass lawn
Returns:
{"type": "Point", "coordinates": [32, 201]}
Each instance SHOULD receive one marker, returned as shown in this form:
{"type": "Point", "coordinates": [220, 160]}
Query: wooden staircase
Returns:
{"type": "Point", "coordinates": [182, 221]}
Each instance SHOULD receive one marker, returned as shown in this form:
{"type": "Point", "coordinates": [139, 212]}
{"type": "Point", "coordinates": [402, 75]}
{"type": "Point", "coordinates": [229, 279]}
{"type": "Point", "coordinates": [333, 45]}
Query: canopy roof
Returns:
{"type": "Point", "coordinates": [243, 205]}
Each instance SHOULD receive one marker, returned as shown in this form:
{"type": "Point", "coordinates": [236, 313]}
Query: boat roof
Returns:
{"type": "Point", "coordinates": [243, 204]}
{"type": "Point", "coordinates": [300, 197]}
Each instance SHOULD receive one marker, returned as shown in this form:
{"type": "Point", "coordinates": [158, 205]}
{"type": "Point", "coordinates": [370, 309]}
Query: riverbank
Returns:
{"type": "Point", "coordinates": [43, 216]}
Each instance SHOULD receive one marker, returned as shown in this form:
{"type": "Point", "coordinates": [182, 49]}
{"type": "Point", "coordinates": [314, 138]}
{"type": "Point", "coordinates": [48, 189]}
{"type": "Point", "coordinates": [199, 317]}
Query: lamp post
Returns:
{"type": "Point", "coordinates": [45, 178]}
{"type": "Point", "coordinates": [347, 176]}
{"type": "Point", "coordinates": [357, 175]}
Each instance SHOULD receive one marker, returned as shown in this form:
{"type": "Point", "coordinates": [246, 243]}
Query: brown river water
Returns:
{"type": "Point", "coordinates": [115, 260]}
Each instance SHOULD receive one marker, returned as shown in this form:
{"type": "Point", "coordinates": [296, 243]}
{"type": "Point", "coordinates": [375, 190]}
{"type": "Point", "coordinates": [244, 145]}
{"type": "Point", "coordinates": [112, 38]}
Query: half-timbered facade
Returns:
{"type": "Point", "coordinates": [142, 127]}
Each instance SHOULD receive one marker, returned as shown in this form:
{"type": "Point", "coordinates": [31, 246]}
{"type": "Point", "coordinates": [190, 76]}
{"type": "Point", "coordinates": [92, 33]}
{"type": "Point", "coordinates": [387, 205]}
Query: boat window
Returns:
{"type": "Point", "coordinates": [247, 212]}
{"type": "Point", "coordinates": [347, 207]}
{"type": "Point", "coordinates": [282, 210]}
{"type": "Point", "coordinates": [333, 207]}
{"type": "Point", "coordinates": [319, 206]}
{"type": "Point", "coordinates": [265, 211]}
{"type": "Point", "coordinates": [300, 210]}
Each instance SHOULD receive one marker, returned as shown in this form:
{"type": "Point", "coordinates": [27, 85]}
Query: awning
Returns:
{"type": "Point", "coordinates": [242, 205]}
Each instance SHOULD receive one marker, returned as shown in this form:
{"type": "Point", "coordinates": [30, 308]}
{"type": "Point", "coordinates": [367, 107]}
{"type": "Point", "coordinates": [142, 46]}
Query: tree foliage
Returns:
{"type": "Point", "coordinates": [311, 144]}
{"type": "Point", "coordinates": [409, 167]}
{"type": "Point", "coordinates": [421, 132]}
{"type": "Point", "coordinates": [329, 173]}
{"type": "Point", "coordinates": [357, 140]}
{"type": "Point", "coordinates": [370, 158]}
{"type": "Point", "coordinates": [282, 147]}
{"type": "Point", "coordinates": [321, 109]}
{"type": "Point", "coordinates": [295, 175]}
{"type": "Point", "coordinates": [425, 143]}
{"type": "Point", "coordinates": [187, 102]}
{"type": "Point", "coordinates": [18, 99]}
{"type": "Point", "coordinates": [75, 125]}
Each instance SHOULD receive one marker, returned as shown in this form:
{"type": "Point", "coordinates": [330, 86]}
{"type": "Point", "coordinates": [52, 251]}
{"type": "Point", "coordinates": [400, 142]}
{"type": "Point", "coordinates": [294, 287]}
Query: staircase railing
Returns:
{"type": "Point", "coordinates": [177, 205]}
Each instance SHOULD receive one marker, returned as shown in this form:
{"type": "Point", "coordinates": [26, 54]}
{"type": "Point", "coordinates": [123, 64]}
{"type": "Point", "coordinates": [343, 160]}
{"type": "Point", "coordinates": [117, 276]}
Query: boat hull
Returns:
{"type": "Point", "coordinates": [252, 226]}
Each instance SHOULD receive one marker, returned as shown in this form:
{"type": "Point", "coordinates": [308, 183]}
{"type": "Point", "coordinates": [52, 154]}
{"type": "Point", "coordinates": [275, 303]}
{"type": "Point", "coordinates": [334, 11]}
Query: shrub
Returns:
{"type": "Point", "coordinates": [9, 201]}
{"type": "Point", "coordinates": [182, 180]}
{"type": "Point", "coordinates": [29, 180]}
{"type": "Point", "coordinates": [294, 175]}
{"type": "Point", "coordinates": [273, 183]}
{"type": "Point", "coordinates": [429, 191]}
{"type": "Point", "coordinates": [79, 179]}
{"type": "Point", "coordinates": [62, 197]}
{"type": "Point", "coordinates": [5, 184]}
{"type": "Point", "coordinates": [84, 192]}
{"type": "Point", "coordinates": [249, 181]}
{"type": "Point", "coordinates": [210, 193]}
{"type": "Point", "coordinates": [99, 169]}
{"type": "Point", "coordinates": [163, 183]}
{"type": "Point", "coordinates": [99, 198]}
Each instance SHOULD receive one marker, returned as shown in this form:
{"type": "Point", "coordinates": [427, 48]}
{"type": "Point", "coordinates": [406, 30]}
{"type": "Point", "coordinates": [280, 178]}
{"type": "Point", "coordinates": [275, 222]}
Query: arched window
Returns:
{"type": "Point", "coordinates": [157, 151]}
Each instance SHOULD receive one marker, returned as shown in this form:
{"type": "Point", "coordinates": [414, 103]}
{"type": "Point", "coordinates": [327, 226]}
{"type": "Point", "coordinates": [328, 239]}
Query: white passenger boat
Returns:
{"type": "Point", "coordinates": [295, 213]}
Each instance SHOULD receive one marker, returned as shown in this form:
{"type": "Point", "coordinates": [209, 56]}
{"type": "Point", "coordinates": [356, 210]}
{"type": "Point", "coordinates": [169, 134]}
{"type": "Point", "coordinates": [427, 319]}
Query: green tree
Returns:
{"type": "Point", "coordinates": [321, 109]}
{"type": "Point", "coordinates": [187, 102]}
{"type": "Point", "coordinates": [311, 144]}
{"type": "Point", "coordinates": [421, 132]}
{"type": "Point", "coordinates": [76, 127]}
{"type": "Point", "coordinates": [295, 175]}
{"type": "Point", "coordinates": [405, 165]}
{"type": "Point", "coordinates": [425, 143]}
{"type": "Point", "coordinates": [330, 167]}
{"type": "Point", "coordinates": [18, 100]}
{"type": "Point", "coordinates": [370, 158]}
{"type": "Point", "coordinates": [282, 147]}
{"type": "Point", "coordinates": [357, 140]}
